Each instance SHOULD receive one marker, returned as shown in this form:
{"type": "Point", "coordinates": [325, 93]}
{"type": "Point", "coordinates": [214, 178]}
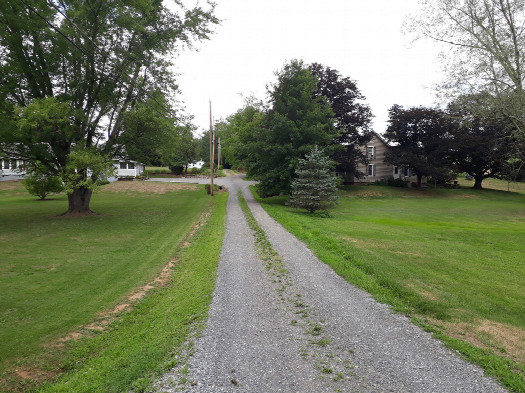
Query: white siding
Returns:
{"type": "Point", "coordinates": [11, 167]}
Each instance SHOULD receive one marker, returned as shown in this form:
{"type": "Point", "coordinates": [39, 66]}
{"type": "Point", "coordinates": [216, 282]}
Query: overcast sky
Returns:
{"type": "Point", "coordinates": [362, 39]}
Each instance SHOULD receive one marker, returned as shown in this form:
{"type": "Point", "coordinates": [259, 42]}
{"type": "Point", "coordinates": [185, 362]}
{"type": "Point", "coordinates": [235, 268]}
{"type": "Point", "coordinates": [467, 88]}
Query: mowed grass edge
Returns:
{"type": "Point", "coordinates": [145, 342]}
{"type": "Point", "coordinates": [365, 242]}
{"type": "Point", "coordinates": [57, 275]}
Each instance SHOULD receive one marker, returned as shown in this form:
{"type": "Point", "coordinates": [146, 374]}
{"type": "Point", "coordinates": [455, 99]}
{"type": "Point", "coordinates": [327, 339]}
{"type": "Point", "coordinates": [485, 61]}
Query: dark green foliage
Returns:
{"type": "Point", "coordinates": [296, 122]}
{"type": "Point", "coordinates": [309, 105]}
{"type": "Point", "coordinates": [351, 116]}
{"type": "Point", "coordinates": [177, 169]}
{"type": "Point", "coordinates": [314, 187]}
{"type": "Point", "coordinates": [481, 137]}
{"type": "Point", "coordinates": [391, 182]}
{"type": "Point", "coordinates": [423, 140]}
{"type": "Point", "coordinates": [154, 139]}
{"type": "Point", "coordinates": [237, 133]}
{"type": "Point", "coordinates": [396, 182]}
{"type": "Point", "coordinates": [41, 185]}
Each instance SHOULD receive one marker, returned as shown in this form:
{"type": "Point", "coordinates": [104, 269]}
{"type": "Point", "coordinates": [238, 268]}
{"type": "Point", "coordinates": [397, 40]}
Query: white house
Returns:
{"type": "Point", "coordinates": [11, 169]}
{"type": "Point", "coordinates": [197, 165]}
{"type": "Point", "coordinates": [124, 168]}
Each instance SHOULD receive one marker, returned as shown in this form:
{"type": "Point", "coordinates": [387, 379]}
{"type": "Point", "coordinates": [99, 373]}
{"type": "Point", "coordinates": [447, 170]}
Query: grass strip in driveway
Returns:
{"type": "Point", "coordinates": [451, 258]}
{"type": "Point", "coordinates": [143, 343]}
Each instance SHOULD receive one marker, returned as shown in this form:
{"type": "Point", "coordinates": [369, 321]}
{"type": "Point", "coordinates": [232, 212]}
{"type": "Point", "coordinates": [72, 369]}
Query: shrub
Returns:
{"type": "Point", "coordinates": [177, 169]}
{"type": "Point", "coordinates": [315, 187]}
{"type": "Point", "coordinates": [195, 171]}
{"type": "Point", "coordinates": [42, 185]}
{"type": "Point", "coordinates": [391, 182]}
{"type": "Point", "coordinates": [102, 182]}
{"type": "Point", "coordinates": [396, 182]}
{"type": "Point", "coordinates": [156, 171]}
{"type": "Point", "coordinates": [215, 188]}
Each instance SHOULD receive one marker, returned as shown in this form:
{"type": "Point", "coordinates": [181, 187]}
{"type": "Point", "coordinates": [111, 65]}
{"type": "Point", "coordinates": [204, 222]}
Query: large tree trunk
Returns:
{"type": "Point", "coordinates": [477, 182]}
{"type": "Point", "coordinates": [419, 179]}
{"type": "Point", "coordinates": [79, 202]}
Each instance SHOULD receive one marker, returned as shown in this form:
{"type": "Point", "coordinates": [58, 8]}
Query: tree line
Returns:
{"type": "Point", "coordinates": [313, 105]}
{"type": "Point", "coordinates": [469, 136]}
{"type": "Point", "coordinates": [83, 82]}
{"type": "Point", "coordinates": [309, 105]}
{"type": "Point", "coordinates": [480, 131]}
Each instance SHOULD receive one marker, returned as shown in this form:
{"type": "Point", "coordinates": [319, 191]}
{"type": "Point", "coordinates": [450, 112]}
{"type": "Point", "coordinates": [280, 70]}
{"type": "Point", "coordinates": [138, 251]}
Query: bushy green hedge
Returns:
{"type": "Point", "coordinates": [41, 185]}
{"type": "Point", "coordinates": [391, 182]}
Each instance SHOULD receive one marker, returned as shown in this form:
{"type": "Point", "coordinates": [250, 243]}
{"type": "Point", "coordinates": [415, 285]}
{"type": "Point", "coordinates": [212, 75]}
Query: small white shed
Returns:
{"type": "Point", "coordinates": [125, 168]}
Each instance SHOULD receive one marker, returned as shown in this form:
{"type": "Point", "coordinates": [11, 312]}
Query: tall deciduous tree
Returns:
{"type": "Point", "coordinates": [296, 121]}
{"type": "Point", "coordinates": [157, 140]}
{"type": "Point", "coordinates": [481, 137]}
{"type": "Point", "coordinates": [351, 117]}
{"type": "Point", "coordinates": [98, 58]}
{"type": "Point", "coordinates": [237, 132]}
{"type": "Point", "coordinates": [487, 40]}
{"type": "Point", "coordinates": [487, 52]}
{"type": "Point", "coordinates": [421, 138]}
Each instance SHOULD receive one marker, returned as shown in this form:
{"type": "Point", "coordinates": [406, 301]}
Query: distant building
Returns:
{"type": "Point", "coordinates": [11, 169]}
{"type": "Point", "coordinates": [376, 169]}
{"type": "Point", "coordinates": [197, 165]}
{"type": "Point", "coordinates": [124, 168]}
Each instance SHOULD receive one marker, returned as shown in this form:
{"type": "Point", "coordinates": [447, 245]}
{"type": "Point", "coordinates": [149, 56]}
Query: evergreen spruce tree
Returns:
{"type": "Point", "coordinates": [314, 187]}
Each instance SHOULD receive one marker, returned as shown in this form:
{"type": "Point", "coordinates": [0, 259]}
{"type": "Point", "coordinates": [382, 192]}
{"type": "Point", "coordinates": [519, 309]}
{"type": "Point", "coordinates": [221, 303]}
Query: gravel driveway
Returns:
{"type": "Point", "coordinates": [299, 327]}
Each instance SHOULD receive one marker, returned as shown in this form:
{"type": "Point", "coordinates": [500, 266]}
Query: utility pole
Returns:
{"type": "Point", "coordinates": [212, 153]}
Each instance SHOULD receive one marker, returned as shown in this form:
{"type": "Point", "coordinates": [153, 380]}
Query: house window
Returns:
{"type": "Point", "coordinates": [131, 165]}
{"type": "Point", "coordinates": [407, 172]}
{"type": "Point", "coordinates": [396, 170]}
{"type": "Point", "coordinates": [13, 164]}
{"type": "Point", "coordinates": [5, 164]}
{"type": "Point", "coordinates": [123, 165]}
{"type": "Point", "coordinates": [371, 170]}
{"type": "Point", "coordinates": [371, 151]}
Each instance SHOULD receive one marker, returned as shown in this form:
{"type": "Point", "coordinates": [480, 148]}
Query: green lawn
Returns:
{"type": "Point", "coordinates": [57, 274]}
{"type": "Point", "coordinates": [495, 184]}
{"type": "Point", "coordinates": [455, 259]}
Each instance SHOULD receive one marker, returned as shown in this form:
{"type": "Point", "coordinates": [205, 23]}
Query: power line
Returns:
{"type": "Point", "coordinates": [52, 26]}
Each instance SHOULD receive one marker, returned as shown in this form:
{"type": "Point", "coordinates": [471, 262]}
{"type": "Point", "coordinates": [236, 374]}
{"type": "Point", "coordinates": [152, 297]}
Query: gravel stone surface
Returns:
{"type": "Point", "coordinates": [299, 327]}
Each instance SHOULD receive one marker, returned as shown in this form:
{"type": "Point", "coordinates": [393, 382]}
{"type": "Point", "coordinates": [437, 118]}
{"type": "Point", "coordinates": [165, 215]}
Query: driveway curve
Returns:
{"type": "Point", "coordinates": [296, 326]}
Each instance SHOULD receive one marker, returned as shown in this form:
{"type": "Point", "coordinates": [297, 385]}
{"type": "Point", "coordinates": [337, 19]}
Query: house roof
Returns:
{"type": "Point", "coordinates": [380, 137]}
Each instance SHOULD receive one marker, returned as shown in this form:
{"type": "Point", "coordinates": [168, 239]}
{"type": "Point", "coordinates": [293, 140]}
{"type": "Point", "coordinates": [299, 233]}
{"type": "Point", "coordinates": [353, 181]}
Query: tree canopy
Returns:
{"type": "Point", "coordinates": [308, 105]}
{"type": "Point", "coordinates": [486, 39]}
{"type": "Point", "coordinates": [487, 48]}
{"type": "Point", "coordinates": [238, 132]}
{"type": "Point", "coordinates": [420, 138]}
{"type": "Point", "coordinates": [481, 145]}
{"type": "Point", "coordinates": [352, 117]}
{"type": "Point", "coordinates": [296, 121]}
{"type": "Point", "coordinates": [86, 65]}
